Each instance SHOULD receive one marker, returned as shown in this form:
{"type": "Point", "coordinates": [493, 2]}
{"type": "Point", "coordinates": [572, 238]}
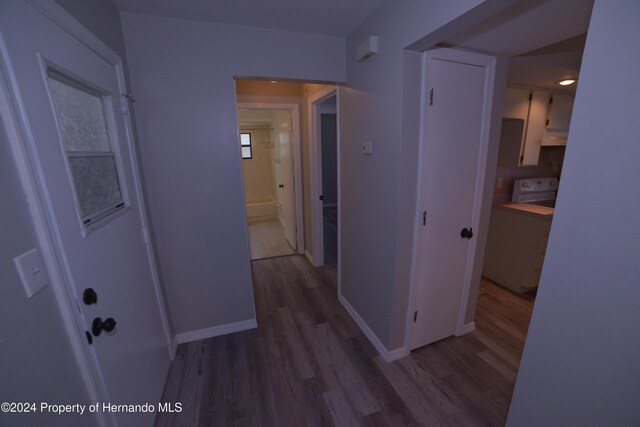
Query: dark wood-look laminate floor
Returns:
{"type": "Point", "coordinates": [307, 363]}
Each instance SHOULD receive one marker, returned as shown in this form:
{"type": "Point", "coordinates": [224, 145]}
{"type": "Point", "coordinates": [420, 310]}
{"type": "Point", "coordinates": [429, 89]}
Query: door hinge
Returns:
{"type": "Point", "coordinates": [424, 218]}
{"type": "Point", "coordinates": [124, 98]}
{"type": "Point", "coordinates": [415, 316]}
{"type": "Point", "coordinates": [321, 197]}
{"type": "Point", "coordinates": [431, 97]}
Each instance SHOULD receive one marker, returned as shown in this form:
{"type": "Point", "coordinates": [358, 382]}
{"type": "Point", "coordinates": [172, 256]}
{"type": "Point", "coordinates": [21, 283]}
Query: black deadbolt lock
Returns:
{"type": "Point", "coordinates": [98, 325]}
{"type": "Point", "coordinates": [89, 296]}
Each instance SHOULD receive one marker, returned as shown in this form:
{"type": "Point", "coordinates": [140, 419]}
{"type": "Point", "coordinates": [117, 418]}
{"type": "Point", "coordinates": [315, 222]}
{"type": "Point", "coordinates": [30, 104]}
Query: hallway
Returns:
{"type": "Point", "coordinates": [309, 364]}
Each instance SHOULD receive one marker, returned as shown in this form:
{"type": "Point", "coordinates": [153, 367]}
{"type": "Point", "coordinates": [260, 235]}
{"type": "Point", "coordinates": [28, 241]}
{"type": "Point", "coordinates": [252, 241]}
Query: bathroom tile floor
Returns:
{"type": "Point", "coordinates": [266, 240]}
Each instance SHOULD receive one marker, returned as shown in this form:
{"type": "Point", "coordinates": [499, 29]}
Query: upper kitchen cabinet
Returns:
{"type": "Point", "coordinates": [560, 110]}
{"type": "Point", "coordinates": [516, 104]}
{"type": "Point", "coordinates": [536, 126]}
{"type": "Point", "coordinates": [530, 118]}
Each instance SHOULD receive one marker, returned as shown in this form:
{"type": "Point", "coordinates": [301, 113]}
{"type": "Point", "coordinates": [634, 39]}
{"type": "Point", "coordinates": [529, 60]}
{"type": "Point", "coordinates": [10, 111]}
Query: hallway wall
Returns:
{"type": "Point", "coordinates": [379, 191]}
{"type": "Point", "coordinates": [183, 78]}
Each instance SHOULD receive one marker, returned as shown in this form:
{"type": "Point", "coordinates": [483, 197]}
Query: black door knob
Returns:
{"type": "Point", "coordinates": [89, 296]}
{"type": "Point", "coordinates": [467, 233]}
{"type": "Point", "coordinates": [281, 185]}
{"type": "Point", "coordinates": [98, 325]}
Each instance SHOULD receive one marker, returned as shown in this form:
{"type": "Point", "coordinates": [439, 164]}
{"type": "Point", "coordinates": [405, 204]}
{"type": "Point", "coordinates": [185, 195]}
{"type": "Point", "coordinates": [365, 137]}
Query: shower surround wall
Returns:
{"type": "Point", "coordinates": [259, 187]}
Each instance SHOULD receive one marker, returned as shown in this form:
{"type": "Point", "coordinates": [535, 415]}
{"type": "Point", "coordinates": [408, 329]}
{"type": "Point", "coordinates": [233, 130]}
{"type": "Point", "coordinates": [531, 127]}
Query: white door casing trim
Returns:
{"type": "Point", "coordinates": [297, 159]}
{"type": "Point", "coordinates": [489, 62]}
{"type": "Point", "coordinates": [26, 159]}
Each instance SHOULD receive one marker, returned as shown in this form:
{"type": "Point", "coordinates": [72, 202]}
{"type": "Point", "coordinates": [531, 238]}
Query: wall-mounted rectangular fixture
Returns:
{"type": "Point", "coordinates": [367, 48]}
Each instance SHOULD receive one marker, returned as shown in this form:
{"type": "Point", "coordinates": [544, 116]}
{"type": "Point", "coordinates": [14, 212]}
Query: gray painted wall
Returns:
{"type": "Point", "coordinates": [580, 363]}
{"type": "Point", "coordinates": [378, 192]}
{"type": "Point", "coordinates": [329, 136]}
{"type": "Point", "coordinates": [182, 76]}
{"type": "Point", "coordinates": [101, 17]}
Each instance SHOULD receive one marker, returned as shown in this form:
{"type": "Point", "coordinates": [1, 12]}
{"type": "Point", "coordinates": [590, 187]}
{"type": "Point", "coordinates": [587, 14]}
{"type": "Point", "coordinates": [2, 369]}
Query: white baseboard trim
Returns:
{"type": "Point", "coordinates": [309, 256]}
{"type": "Point", "coordinates": [466, 328]}
{"type": "Point", "coordinates": [311, 259]}
{"type": "Point", "coordinates": [215, 331]}
{"type": "Point", "coordinates": [387, 355]}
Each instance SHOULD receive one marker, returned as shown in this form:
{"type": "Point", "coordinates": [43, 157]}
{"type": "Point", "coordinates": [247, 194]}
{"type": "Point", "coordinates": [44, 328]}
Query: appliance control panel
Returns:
{"type": "Point", "coordinates": [534, 190]}
{"type": "Point", "coordinates": [537, 184]}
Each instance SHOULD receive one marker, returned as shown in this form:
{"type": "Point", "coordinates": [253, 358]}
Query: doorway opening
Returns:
{"type": "Point", "coordinates": [499, 316]}
{"type": "Point", "coordinates": [282, 164]}
{"type": "Point", "coordinates": [323, 137]}
{"type": "Point", "coordinates": [535, 125]}
{"type": "Point", "coordinates": [519, 194]}
{"type": "Point", "coordinates": [267, 141]}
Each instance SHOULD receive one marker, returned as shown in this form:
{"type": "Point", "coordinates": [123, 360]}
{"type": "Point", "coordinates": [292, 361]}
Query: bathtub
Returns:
{"type": "Point", "coordinates": [262, 211]}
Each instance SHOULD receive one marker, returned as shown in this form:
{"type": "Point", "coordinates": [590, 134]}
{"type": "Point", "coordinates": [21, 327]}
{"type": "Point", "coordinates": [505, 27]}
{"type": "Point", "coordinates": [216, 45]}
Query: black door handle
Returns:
{"type": "Point", "coordinates": [466, 233]}
{"type": "Point", "coordinates": [281, 185]}
{"type": "Point", "coordinates": [98, 325]}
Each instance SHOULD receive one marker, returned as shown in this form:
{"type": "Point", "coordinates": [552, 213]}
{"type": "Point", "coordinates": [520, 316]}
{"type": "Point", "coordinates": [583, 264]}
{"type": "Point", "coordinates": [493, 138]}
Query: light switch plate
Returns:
{"type": "Point", "coordinates": [367, 147]}
{"type": "Point", "coordinates": [32, 271]}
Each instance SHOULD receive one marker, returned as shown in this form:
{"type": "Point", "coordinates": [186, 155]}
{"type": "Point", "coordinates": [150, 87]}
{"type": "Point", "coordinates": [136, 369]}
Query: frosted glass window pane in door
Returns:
{"type": "Point", "coordinates": [96, 183]}
{"type": "Point", "coordinates": [81, 117]}
{"type": "Point", "coordinates": [245, 139]}
{"type": "Point", "coordinates": [246, 152]}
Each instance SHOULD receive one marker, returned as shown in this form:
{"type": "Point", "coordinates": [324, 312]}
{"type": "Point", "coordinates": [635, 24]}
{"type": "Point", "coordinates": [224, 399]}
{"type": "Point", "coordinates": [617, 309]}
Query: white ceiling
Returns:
{"type": "Point", "coordinates": [328, 17]}
{"type": "Point", "coordinates": [545, 39]}
{"type": "Point", "coordinates": [546, 66]}
{"type": "Point", "coordinates": [528, 25]}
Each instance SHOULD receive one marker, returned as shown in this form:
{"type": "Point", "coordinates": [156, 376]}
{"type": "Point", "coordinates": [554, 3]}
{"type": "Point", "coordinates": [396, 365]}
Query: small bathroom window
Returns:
{"type": "Point", "coordinates": [245, 145]}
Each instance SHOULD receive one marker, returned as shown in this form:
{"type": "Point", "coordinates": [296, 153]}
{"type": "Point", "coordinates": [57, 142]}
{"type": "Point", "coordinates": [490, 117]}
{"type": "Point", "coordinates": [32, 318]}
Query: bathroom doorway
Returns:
{"type": "Point", "coordinates": [268, 140]}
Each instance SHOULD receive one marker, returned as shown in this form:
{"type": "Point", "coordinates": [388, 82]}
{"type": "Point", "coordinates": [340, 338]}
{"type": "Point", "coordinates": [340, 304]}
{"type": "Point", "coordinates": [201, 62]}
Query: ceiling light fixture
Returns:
{"type": "Point", "coordinates": [566, 82]}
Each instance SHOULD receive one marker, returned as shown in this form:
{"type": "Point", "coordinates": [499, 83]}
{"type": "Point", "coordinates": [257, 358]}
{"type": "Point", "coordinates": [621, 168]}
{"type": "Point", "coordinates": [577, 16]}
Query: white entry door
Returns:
{"type": "Point", "coordinates": [452, 165]}
{"type": "Point", "coordinates": [71, 103]}
{"type": "Point", "coordinates": [284, 174]}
